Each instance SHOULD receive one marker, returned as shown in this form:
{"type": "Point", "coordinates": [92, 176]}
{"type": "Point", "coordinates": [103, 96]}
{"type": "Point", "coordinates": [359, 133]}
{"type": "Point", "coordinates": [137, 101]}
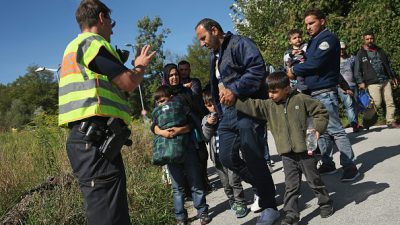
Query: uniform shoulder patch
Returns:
{"type": "Point", "coordinates": [323, 46]}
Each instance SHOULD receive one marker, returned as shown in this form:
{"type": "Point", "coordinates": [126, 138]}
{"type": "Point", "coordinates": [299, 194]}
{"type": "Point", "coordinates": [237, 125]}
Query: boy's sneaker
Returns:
{"type": "Point", "coordinates": [205, 218]}
{"type": "Point", "coordinates": [350, 173]}
{"type": "Point", "coordinates": [241, 210]}
{"type": "Point", "coordinates": [326, 169]}
{"type": "Point", "coordinates": [268, 217]}
{"type": "Point", "coordinates": [255, 207]}
{"type": "Point", "coordinates": [326, 211]}
{"type": "Point", "coordinates": [290, 220]}
{"type": "Point", "coordinates": [181, 222]}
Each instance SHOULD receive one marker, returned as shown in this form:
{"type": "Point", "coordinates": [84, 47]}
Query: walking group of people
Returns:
{"type": "Point", "coordinates": [228, 117]}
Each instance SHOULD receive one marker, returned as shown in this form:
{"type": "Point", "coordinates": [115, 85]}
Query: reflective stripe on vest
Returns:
{"type": "Point", "coordinates": [84, 93]}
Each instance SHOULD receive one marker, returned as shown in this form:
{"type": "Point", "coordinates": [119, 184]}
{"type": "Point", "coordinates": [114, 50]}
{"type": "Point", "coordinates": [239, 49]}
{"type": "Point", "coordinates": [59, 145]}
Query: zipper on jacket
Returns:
{"type": "Point", "coordinates": [287, 124]}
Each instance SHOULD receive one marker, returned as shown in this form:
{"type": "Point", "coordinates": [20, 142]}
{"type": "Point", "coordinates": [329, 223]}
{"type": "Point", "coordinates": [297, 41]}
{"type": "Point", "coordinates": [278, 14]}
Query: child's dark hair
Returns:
{"type": "Point", "coordinates": [293, 31]}
{"type": "Point", "coordinates": [277, 80]}
{"type": "Point", "coordinates": [162, 91]}
{"type": "Point", "coordinates": [207, 97]}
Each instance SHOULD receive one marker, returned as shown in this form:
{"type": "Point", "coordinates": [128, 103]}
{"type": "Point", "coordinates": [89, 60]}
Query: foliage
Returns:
{"type": "Point", "coordinates": [199, 59]}
{"type": "Point", "coordinates": [30, 157]}
{"type": "Point", "coordinates": [33, 92]}
{"type": "Point", "coordinates": [149, 34]}
{"type": "Point", "coordinates": [267, 22]}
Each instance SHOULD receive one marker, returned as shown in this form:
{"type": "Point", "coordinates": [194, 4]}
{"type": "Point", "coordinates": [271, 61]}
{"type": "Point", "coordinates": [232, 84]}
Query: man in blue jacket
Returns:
{"type": "Point", "coordinates": [321, 71]}
{"type": "Point", "coordinates": [238, 71]}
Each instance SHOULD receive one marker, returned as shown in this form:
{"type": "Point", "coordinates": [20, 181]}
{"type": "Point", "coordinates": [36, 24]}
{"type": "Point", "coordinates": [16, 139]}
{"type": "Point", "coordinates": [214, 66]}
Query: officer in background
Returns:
{"type": "Point", "coordinates": [93, 104]}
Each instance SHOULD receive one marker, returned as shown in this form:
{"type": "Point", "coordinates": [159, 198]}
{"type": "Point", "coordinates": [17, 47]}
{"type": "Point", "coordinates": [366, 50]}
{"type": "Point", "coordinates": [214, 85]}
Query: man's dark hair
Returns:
{"type": "Point", "coordinates": [183, 62]}
{"type": "Point", "coordinates": [292, 32]}
{"type": "Point", "coordinates": [277, 80]}
{"type": "Point", "coordinates": [369, 32]}
{"type": "Point", "coordinates": [162, 91]}
{"type": "Point", "coordinates": [208, 23]}
{"type": "Point", "coordinates": [315, 12]}
{"type": "Point", "coordinates": [87, 14]}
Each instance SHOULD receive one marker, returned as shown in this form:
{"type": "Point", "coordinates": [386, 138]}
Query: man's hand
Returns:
{"type": "Point", "coordinates": [227, 97]}
{"type": "Point", "coordinates": [290, 73]}
{"type": "Point", "coordinates": [395, 83]}
{"type": "Point", "coordinates": [349, 92]}
{"type": "Point", "coordinates": [361, 86]}
{"type": "Point", "coordinates": [188, 85]}
{"type": "Point", "coordinates": [143, 59]}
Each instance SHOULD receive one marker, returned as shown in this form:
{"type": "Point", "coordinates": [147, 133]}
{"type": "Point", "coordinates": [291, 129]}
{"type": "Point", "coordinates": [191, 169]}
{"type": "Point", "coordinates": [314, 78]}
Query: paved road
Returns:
{"type": "Point", "coordinates": [372, 199]}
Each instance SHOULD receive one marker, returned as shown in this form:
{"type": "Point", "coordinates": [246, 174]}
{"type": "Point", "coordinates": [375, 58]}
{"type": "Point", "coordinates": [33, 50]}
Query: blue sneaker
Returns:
{"type": "Point", "coordinates": [268, 217]}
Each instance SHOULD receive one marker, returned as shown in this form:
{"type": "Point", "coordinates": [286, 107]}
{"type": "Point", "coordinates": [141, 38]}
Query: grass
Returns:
{"type": "Point", "coordinates": [30, 157]}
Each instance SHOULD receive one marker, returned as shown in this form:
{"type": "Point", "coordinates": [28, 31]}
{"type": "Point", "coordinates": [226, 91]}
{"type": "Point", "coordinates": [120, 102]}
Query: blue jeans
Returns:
{"type": "Point", "coordinates": [238, 132]}
{"type": "Point", "coordinates": [192, 169]}
{"type": "Point", "coordinates": [334, 131]}
{"type": "Point", "coordinates": [350, 105]}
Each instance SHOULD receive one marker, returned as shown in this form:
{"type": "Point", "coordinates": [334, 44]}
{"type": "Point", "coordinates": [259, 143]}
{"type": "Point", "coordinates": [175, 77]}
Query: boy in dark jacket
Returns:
{"type": "Point", "coordinates": [287, 112]}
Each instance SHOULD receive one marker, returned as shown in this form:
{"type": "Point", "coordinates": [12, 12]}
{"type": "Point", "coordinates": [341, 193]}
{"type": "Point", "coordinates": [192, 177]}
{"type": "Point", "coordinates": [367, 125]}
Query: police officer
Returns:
{"type": "Point", "coordinates": [321, 71]}
{"type": "Point", "coordinates": [93, 78]}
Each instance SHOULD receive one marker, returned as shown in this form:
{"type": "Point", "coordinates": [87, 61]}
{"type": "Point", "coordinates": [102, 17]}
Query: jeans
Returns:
{"type": "Point", "coordinates": [350, 106]}
{"type": "Point", "coordinates": [334, 131]}
{"type": "Point", "coordinates": [383, 90]}
{"type": "Point", "coordinates": [238, 132]}
{"type": "Point", "coordinates": [191, 167]}
{"type": "Point", "coordinates": [102, 183]}
{"type": "Point", "coordinates": [294, 165]}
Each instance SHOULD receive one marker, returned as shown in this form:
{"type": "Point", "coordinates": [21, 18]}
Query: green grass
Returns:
{"type": "Point", "coordinates": [29, 157]}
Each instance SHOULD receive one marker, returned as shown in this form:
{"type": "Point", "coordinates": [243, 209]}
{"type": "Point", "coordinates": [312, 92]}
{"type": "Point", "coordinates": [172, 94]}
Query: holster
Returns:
{"type": "Point", "coordinates": [116, 135]}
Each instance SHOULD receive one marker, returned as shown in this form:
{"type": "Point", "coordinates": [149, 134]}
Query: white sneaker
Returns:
{"type": "Point", "coordinates": [255, 207]}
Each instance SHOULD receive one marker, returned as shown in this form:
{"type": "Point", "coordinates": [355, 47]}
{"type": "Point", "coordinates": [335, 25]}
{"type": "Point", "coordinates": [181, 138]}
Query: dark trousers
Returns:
{"type": "Point", "coordinates": [239, 132]}
{"type": "Point", "coordinates": [294, 165]}
{"type": "Point", "coordinates": [231, 183]}
{"type": "Point", "coordinates": [102, 183]}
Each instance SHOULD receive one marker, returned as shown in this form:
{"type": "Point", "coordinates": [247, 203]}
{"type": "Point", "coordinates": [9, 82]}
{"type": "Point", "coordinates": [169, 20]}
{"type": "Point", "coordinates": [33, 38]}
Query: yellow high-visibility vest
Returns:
{"type": "Point", "coordinates": [84, 93]}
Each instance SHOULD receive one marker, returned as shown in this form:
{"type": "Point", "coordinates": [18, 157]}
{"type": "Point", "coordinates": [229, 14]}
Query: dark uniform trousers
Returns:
{"type": "Point", "coordinates": [103, 183]}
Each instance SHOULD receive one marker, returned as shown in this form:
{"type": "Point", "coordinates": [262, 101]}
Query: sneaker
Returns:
{"type": "Point", "coordinates": [241, 210]}
{"type": "Point", "coordinates": [205, 218]}
{"type": "Point", "coordinates": [290, 220]}
{"type": "Point", "coordinates": [350, 173]}
{"type": "Point", "coordinates": [255, 207]}
{"type": "Point", "coordinates": [393, 125]}
{"type": "Point", "coordinates": [181, 222]}
{"type": "Point", "coordinates": [327, 169]}
{"type": "Point", "coordinates": [268, 216]}
{"type": "Point", "coordinates": [326, 211]}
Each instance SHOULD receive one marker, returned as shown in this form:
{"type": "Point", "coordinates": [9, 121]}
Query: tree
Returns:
{"type": "Point", "coordinates": [149, 34]}
{"type": "Point", "coordinates": [199, 59]}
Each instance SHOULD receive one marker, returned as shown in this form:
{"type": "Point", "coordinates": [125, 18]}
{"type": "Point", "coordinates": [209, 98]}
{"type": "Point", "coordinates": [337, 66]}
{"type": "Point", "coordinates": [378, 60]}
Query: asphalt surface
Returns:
{"type": "Point", "coordinates": [372, 199]}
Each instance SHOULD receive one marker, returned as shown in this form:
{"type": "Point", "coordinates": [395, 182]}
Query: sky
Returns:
{"type": "Point", "coordinates": [36, 32]}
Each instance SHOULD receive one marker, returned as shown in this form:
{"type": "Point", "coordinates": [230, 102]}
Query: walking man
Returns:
{"type": "Point", "coordinates": [373, 71]}
{"type": "Point", "coordinates": [321, 71]}
{"type": "Point", "coordinates": [238, 71]}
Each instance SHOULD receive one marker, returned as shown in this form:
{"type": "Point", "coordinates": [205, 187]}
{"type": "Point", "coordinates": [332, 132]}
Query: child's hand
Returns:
{"type": "Point", "coordinates": [211, 119]}
{"type": "Point", "coordinates": [297, 51]}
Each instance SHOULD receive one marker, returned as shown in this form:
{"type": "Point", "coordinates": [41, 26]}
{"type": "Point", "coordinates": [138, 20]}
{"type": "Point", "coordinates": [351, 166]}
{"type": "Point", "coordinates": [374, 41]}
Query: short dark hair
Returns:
{"type": "Point", "coordinates": [87, 14]}
{"type": "Point", "coordinates": [162, 91]}
{"type": "Point", "coordinates": [369, 32]}
{"type": "Point", "coordinates": [315, 12]}
{"type": "Point", "coordinates": [206, 93]}
{"type": "Point", "coordinates": [292, 32]}
{"type": "Point", "coordinates": [183, 62]}
{"type": "Point", "coordinates": [208, 23]}
{"type": "Point", "coordinates": [277, 80]}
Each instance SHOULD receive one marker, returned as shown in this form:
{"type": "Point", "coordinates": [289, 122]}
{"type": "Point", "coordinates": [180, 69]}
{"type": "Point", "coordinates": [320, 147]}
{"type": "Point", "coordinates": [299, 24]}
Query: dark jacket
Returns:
{"type": "Point", "coordinates": [288, 120]}
{"type": "Point", "coordinates": [321, 68]}
{"type": "Point", "coordinates": [365, 72]}
{"type": "Point", "coordinates": [241, 67]}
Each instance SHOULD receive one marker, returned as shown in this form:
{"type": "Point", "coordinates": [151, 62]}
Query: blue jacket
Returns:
{"type": "Point", "coordinates": [241, 67]}
{"type": "Point", "coordinates": [321, 68]}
